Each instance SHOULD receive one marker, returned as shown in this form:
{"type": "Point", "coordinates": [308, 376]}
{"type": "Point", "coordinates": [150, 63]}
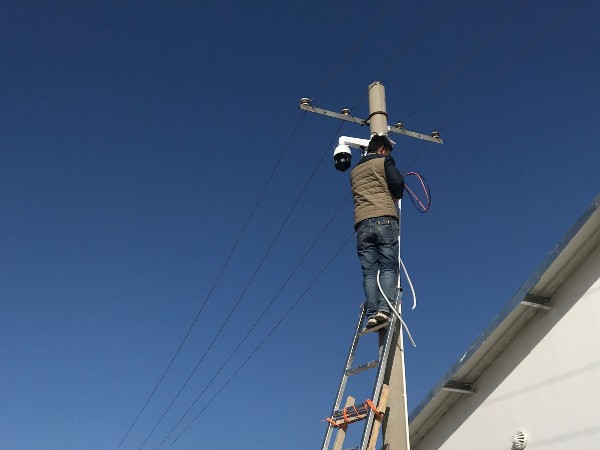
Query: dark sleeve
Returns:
{"type": "Point", "coordinates": [393, 177]}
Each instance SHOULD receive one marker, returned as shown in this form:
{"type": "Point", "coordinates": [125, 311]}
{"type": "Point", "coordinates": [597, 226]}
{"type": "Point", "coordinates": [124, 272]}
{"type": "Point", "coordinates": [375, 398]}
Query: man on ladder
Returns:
{"type": "Point", "coordinates": [376, 184]}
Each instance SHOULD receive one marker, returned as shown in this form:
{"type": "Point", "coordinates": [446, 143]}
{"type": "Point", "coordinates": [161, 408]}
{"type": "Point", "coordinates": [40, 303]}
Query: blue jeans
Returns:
{"type": "Point", "coordinates": [377, 246]}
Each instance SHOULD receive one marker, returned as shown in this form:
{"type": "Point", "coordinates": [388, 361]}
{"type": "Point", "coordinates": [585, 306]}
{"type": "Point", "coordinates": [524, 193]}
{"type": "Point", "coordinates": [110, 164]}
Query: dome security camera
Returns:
{"type": "Point", "coordinates": [342, 157]}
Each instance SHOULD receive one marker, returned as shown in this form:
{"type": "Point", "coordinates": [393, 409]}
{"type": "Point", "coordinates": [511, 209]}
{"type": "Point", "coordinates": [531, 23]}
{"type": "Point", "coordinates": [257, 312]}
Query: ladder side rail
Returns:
{"type": "Point", "coordinates": [342, 387]}
{"type": "Point", "coordinates": [395, 323]}
{"type": "Point", "coordinates": [381, 372]}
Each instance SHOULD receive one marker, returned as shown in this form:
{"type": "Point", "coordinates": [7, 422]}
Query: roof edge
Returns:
{"type": "Point", "coordinates": [513, 303]}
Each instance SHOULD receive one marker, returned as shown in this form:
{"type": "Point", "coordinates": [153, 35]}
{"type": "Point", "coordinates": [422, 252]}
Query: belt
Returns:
{"type": "Point", "coordinates": [384, 220]}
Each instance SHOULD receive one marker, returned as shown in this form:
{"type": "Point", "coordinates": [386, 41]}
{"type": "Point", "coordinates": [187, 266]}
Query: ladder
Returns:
{"type": "Point", "coordinates": [386, 332]}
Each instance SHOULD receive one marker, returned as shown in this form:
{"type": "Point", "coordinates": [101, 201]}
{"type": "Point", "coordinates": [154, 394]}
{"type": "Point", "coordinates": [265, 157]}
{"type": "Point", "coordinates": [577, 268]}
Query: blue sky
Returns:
{"type": "Point", "coordinates": [137, 140]}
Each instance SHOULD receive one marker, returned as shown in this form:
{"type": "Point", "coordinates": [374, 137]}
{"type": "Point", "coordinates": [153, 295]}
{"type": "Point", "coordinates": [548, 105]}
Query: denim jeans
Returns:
{"type": "Point", "coordinates": [377, 246]}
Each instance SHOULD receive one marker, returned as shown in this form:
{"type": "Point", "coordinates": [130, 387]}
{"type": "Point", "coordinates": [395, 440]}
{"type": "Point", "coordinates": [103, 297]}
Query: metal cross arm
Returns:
{"type": "Point", "coordinates": [306, 105]}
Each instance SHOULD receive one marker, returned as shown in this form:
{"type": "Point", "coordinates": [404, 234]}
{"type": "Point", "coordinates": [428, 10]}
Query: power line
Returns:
{"type": "Point", "coordinates": [336, 70]}
{"type": "Point", "coordinates": [474, 51]}
{"type": "Point", "coordinates": [425, 144]}
{"type": "Point", "coordinates": [264, 257]}
{"type": "Point", "coordinates": [540, 37]}
{"type": "Point", "coordinates": [265, 338]}
{"type": "Point", "coordinates": [562, 16]}
{"type": "Point", "coordinates": [301, 261]}
{"type": "Point", "coordinates": [411, 43]}
{"type": "Point", "coordinates": [235, 245]}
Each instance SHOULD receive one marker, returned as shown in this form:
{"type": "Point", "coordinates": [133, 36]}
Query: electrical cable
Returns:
{"type": "Point", "coordinates": [412, 289]}
{"type": "Point", "coordinates": [462, 62]}
{"type": "Point", "coordinates": [396, 313]}
{"type": "Point", "coordinates": [301, 261]}
{"type": "Point", "coordinates": [235, 245]}
{"type": "Point", "coordinates": [351, 52]}
{"type": "Point", "coordinates": [233, 309]}
{"type": "Point", "coordinates": [562, 16]}
{"type": "Point", "coordinates": [414, 198]}
{"type": "Point", "coordinates": [266, 337]}
{"type": "Point", "coordinates": [425, 144]}
{"type": "Point", "coordinates": [458, 66]}
{"type": "Point", "coordinates": [415, 38]}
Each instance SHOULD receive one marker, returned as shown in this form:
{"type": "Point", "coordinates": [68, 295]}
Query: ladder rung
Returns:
{"type": "Point", "coordinates": [353, 414]}
{"type": "Point", "coordinates": [375, 328]}
{"type": "Point", "coordinates": [362, 367]}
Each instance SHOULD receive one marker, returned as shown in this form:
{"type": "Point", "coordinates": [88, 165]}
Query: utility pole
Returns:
{"type": "Point", "coordinates": [395, 423]}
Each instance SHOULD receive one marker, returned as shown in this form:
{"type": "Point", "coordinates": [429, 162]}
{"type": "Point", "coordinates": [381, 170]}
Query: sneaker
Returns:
{"type": "Point", "coordinates": [371, 322]}
{"type": "Point", "coordinates": [382, 316]}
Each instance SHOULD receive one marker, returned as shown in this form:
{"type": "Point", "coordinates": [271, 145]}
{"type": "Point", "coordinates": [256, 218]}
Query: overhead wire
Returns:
{"type": "Point", "coordinates": [411, 43]}
{"type": "Point", "coordinates": [491, 80]}
{"type": "Point", "coordinates": [287, 313]}
{"type": "Point", "coordinates": [241, 296]}
{"type": "Point", "coordinates": [423, 147]}
{"type": "Point", "coordinates": [279, 291]}
{"type": "Point", "coordinates": [444, 79]}
{"type": "Point", "coordinates": [470, 55]}
{"type": "Point", "coordinates": [345, 59]}
{"type": "Point", "coordinates": [539, 38]}
{"type": "Point", "coordinates": [225, 264]}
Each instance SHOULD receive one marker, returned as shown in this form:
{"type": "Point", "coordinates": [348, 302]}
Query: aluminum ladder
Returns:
{"type": "Point", "coordinates": [386, 333]}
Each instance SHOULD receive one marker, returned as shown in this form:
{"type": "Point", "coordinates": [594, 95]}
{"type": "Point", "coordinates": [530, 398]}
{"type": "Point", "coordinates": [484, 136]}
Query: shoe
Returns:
{"type": "Point", "coordinates": [382, 316]}
{"type": "Point", "coordinates": [371, 322]}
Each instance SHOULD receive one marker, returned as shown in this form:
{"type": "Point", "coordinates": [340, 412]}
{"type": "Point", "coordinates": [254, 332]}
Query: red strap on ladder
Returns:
{"type": "Point", "coordinates": [370, 404]}
{"type": "Point", "coordinates": [344, 425]}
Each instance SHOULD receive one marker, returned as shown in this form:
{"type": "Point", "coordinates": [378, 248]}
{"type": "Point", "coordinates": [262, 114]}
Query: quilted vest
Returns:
{"type": "Point", "coordinates": [370, 190]}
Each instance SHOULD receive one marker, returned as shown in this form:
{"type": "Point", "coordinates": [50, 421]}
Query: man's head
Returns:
{"type": "Point", "coordinates": [381, 144]}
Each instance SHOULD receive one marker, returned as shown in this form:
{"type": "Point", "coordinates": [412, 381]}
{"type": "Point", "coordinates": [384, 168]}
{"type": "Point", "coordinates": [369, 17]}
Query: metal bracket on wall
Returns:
{"type": "Point", "coordinates": [537, 302]}
{"type": "Point", "coordinates": [459, 386]}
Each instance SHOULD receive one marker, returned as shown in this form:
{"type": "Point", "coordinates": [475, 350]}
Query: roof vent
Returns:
{"type": "Point", "coordinates": [519, 440]}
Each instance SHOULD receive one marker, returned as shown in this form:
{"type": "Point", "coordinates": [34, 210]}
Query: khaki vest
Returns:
{"type": "Point", "coordinates": [370, 190]}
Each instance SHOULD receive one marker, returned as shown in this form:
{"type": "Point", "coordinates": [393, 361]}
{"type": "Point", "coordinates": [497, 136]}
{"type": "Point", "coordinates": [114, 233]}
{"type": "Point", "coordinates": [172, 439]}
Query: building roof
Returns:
{"type": "Point", "coordinates": [535, 295]}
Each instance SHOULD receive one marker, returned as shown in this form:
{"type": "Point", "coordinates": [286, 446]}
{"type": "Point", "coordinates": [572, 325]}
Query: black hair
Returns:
{"type": "Point", "coordinates": [377, 142]}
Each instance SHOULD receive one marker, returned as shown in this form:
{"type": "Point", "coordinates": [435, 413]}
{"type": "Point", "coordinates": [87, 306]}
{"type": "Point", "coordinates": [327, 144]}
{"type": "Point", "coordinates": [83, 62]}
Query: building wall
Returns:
{"type": "Point", "coordinates": [546, 382]}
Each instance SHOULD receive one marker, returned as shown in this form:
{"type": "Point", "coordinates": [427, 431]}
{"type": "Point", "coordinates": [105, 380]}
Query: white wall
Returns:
{"type": "Point", "coordinates": [546, 382]}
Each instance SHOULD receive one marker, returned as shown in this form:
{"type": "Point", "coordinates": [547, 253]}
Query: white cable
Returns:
{"type": "Point", "coordinates": [396, 313]}
{"type": "Point", "coordinates": [412, 289]}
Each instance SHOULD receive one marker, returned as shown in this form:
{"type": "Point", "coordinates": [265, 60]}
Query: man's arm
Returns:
{"type": "Point", "coordinates": [394, 179]}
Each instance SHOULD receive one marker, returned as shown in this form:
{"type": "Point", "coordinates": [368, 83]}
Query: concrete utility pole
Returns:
{"type": "Point", "coordinates": [395, 423]}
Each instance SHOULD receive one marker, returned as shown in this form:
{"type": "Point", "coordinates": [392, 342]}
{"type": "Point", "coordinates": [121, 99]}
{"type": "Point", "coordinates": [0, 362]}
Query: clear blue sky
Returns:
{"type": "Point", "coordinates": [137, 138]}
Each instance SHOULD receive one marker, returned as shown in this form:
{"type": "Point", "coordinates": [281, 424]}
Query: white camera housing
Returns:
{"type": "Point", "coordinates": [342, 155]}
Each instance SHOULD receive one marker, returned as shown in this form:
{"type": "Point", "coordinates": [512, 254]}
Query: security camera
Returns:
{"type": "Point", "coordinates": [342, 154]}
{"type": "Point", "coordinates": [342, 157]}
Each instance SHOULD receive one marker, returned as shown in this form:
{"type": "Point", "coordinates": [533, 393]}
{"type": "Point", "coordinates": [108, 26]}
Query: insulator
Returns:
{"type": "Point", "coordinates": [345, 111]}
{"type": "Point", "coordinates": [400, 125]}
{"type": "Point", "coordinates": [435, 134]}
{"type": "Point", "coordinates": [305, 101]}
